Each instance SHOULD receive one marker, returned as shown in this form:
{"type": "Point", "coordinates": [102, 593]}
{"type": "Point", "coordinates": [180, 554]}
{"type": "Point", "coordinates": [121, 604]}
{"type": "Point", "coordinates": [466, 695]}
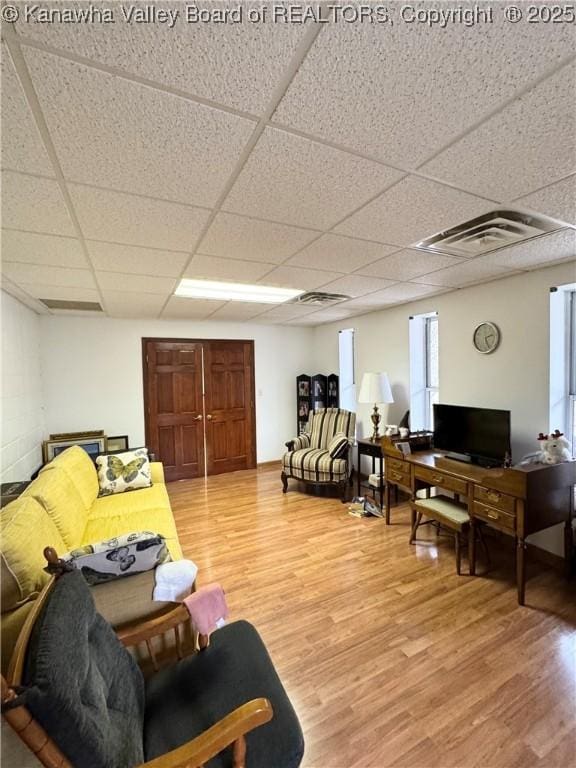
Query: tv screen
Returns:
{"type": "Point", "coordinates": [480, 433]}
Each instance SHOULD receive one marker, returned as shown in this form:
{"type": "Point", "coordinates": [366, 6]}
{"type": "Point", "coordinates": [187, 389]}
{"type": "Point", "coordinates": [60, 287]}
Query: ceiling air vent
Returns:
{"type": "Point", "coordinates": [318, 298]}
{"type": "Point", "coordinates": [82, 306]}
{"type": "Point", "coordinates": [489, 233]}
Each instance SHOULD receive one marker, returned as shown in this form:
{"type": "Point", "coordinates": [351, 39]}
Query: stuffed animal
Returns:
{"type": "Point", "coordinates": [554, 448]}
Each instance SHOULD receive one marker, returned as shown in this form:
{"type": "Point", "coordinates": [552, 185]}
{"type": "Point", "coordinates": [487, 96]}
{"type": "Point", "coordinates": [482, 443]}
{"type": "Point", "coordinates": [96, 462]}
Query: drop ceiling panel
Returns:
{"type": "Point", "coordinates": [557, 200]}
{"type": "Point", "coordinates": [540, 252]}
{"type": "Point", "coordinates": [517, 150]}
{"type": "Point", "coordinates": [293, 180]}
{"type": "Point", "coordinates": [239, 237]}
{"type": "Point", "coordinates": [110, 257]}
{"type": "Point", "coordinates": [356, 285]}
{"type": "Point", "coordinates": [329, 315]}
{"type": "Point", "coordinates": [402, 91]}
{"type": "Point", "coordinates": [34, 204]}
{"type": "Point", "coordinates": [141, 140]}
{"type": "Point", "coordinates": [190, 309]}
{"type": "Point", "coordinates": [295, 277]}
{"type": "Point", "coordinates": [411, 210]}
{"type": "Point", "coordinates": [22, 148]}
{"type": "Point", "coordinates": [55, 276]}
{"type": "Point", "coordinates": [127, 304]}
{"type": "Point", "coordinates": [240, 310]}
{"type": "Point", "coordinates": [236, 64]}
{"type": "Point", "coordinates": [471, 271]}
{"type": "Point", "coordinates": [344, 254]}
{"type": "Point", "coordinates": [132, 220]}
{"type": "Point", "coordinates": [46, 250]}
{"type": "Point", "coordinates": [60, 292]}
{"type": "Point", "coordinates": [213, 268]}
{"type": "Point", "coordinates": [407, 264]}
{"type": "Point", "coordinates": [393, 295]}
{"type": "Point", "coordinates": [286, 312]}
{"type": "Point", "coordinates": [131, 283]}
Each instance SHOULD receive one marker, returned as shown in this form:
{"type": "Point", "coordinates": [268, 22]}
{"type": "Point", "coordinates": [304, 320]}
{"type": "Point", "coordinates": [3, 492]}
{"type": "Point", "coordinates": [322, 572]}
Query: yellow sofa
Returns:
{"type": "Point", "coordinates": [61, 509]}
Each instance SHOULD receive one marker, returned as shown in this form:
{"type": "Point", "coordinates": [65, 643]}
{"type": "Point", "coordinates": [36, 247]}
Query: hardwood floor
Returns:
{"type": "Point", "coordinates": [389, 657]}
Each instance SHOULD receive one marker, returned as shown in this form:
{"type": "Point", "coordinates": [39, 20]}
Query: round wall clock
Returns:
{"type": "Point", "coordinates": [486, 337]}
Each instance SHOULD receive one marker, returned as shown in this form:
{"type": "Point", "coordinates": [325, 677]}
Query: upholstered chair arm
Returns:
{"type": "Point", "coordinates": [229, 730]}
{"type": "Point", "coordinates": [297, 443]}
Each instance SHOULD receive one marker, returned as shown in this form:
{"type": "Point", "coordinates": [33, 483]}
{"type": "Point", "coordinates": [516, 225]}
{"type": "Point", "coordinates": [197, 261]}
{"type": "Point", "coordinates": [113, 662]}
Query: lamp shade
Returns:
{"type": "Point", "coordinates": [375, 388]}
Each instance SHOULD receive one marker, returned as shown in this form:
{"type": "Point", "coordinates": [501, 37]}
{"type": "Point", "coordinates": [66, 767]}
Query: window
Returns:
{"type": "Point", "coordinates": [347, 370]}
{"type": "Point", "coordinates": [424, 378]}
{"type": "Point", "coordinates": [563, 362]}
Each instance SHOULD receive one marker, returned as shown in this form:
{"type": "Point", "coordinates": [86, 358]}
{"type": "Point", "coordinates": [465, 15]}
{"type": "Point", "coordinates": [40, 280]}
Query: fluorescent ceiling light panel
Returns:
{"type": "Point", "coordinates": [214, 289]}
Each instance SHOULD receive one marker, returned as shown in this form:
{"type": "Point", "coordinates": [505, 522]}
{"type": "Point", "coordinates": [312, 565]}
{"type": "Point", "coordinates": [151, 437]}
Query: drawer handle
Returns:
{"type": "Point", "coordinates": [493, 496]}
{"type": "Point", "coordinates": [438, 479]}
{"type": "Point", "coordinates": [493, 515]}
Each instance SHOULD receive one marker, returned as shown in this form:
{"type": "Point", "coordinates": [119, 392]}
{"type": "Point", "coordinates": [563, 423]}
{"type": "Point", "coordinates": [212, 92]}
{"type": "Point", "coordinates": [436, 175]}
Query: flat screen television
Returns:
{"type": "Point", "coordinates": [479, 435]}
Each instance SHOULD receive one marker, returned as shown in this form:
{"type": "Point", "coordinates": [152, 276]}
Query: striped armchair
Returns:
{"type": "Point", "coordinates": [321, 455]}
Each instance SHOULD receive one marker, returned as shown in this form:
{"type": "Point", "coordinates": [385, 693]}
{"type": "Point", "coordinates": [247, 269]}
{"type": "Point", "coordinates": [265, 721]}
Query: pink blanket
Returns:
{"type": "Point", "coordinates": [207, 608]}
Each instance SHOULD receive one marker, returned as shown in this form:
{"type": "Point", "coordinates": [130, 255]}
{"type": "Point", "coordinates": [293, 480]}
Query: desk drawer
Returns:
{"type": "Point", "coordinates": [397, 477]}
{"type": "Point", "coordinates": [495, 499]}
{"type": "Point", "coordinates": [398, 465]}
{"type": "Point", "coordinates": [440, 480]}
{"type": "Point", "coordinates": [496, 517]}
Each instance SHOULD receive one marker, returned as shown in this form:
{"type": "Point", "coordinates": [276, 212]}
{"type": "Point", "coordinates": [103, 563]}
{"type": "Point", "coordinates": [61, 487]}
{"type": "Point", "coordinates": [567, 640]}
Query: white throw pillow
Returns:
{"type": "Point", "coordinates": [125, 471]}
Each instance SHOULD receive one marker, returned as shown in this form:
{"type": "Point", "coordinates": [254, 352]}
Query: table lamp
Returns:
{"type": "Point", "coordinates": [375, 388]}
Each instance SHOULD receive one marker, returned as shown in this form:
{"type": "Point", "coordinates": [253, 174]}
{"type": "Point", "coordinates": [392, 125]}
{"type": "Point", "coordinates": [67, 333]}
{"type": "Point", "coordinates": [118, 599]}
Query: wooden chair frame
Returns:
{"type": "Point", "coordinates": [229, 731]}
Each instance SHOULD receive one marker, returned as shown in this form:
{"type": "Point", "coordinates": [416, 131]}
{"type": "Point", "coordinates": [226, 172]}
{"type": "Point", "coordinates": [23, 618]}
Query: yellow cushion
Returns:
{"type": "Point", "coordinates": [58, 495]}
{"type": "Point", "coordinates": [78, 466]}
{"type": "Point", "coordinates": [154, 497]}
{"type": "Point", "coordinates": [26, 531]}
{"type": "Point", "coordinates": [11, 625]}
{"type": "Point", "coordinates": [157, 472]}
{"type": "Point", "coordinates": [157, 520]}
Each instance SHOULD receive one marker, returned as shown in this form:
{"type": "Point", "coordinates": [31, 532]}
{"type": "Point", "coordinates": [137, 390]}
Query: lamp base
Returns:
{"type": "Point", "coordinates": [375, 416]}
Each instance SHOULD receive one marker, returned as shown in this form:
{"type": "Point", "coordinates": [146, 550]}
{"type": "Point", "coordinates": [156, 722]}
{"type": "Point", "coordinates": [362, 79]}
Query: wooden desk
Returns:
{"type": "Point", "coordinates": [517, 501]}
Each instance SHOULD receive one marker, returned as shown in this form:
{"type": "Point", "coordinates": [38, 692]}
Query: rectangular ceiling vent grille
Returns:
{"type": "Point", "coordinates": [318, 298]}
{"type": "Point", "coordinates": [82, 306]}
{"type": "Point", "coordinates": [489, 232]}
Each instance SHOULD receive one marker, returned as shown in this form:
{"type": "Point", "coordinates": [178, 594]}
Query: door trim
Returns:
{"type": "Point", "coordinates": [146, 339]}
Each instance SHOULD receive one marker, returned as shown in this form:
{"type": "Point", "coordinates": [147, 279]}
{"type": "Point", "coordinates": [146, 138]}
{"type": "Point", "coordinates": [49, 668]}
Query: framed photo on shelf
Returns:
{"type": "Point", "coordinates": [93, 446]}
{"type": "Point", "coordinates": [304, 388]}
{"type": "Point", "coordinates": [77, 435]}
{"type": "Point", "coordinates": [117, 444]}
{"type": "Point", "coordinates": [404, 447]}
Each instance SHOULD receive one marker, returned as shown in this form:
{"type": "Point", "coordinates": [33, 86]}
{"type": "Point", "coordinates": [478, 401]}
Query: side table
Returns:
{"type": "Point", "coordinates": [366, 447]}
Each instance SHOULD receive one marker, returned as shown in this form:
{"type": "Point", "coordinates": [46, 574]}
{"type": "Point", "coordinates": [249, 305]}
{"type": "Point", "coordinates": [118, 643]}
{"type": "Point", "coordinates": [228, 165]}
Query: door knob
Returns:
{"type": "Point", "coordinates": [198, 418]}
{"type": "Point", "coordinates": [209, 416]}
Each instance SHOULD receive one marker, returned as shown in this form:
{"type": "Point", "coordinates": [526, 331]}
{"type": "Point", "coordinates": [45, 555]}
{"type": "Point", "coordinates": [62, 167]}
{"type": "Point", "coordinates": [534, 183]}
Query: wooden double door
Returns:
{"type": "Point", "coordinates": [199, 405]}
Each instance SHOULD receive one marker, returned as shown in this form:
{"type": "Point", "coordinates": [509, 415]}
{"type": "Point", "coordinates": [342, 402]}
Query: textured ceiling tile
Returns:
{"type": "Point", "coordinates": [356, 285]}
{"type": "Point", "coordinates": [132, 283]}
{"type": "Point", "coordinates": [286, 312]}
{"type": "Point", "coordinates": [48, 250]}
{"type": "Point", "coordinates": [193, 309]}
{"type": "Point", "coordinates": [237, 237]}
{"type": "Point", "coordinates": [402, 91]}
{"type": "Point", "coordinates": [240, 310]}
{"type": "Point", "coordinates": [33, 273]}
{"type": "Point", "coordinates": [129, 259]}
{"type": "Point", "coordinates": [34, 204]}
{"type": "Point", "coordinates": [412, 210]}
{"type": "Point", "coordinates": [213, 268]}
{"type": "Point", "coordinates": [127, 304]}
{"type": "Point", "coordinates": [540, 252]}
{"type": "Point", "coordinates": [295, 277]}
{"type": "Point", "coordinates": [121, 218]}
{"type": "Point", "coordinates": [332, 314]}
{"type": "Point", "coordinates": [394, 294]}
{"type": "Point", "coordinates": [297, 181]}
{"type": "Point", "coordinates": [60, 292]}
{"type": "Point", "coordinates": [557, 200]}
{"type": "Point", "coordinates": [408, 264]}
{"type": "Point", "coordinates": [472, 271]}
{"type": "Point", "coordinates": [22, 148]}
{"type": "Point", "coordinates": [344, 254]}
{"type": "Point", "coordinates": [523, 147]}
{"type": "Point", "coordinates": [235, 64]}
{"type": "Point", "coordinates": [132, 138]}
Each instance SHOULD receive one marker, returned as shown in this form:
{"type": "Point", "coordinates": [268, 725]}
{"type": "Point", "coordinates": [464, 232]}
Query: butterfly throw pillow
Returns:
{"type": "Point", "coordinates": [122, 472]}
{"type": "Point", "coordinates": [120, 556]}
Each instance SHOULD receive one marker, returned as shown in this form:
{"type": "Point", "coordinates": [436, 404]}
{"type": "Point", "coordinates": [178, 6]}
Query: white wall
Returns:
{"type": "Point", "coordinates": [21, 396]}
{"type": "Point", "coordinates": [515, 377]}
{"type": "Point", "coordinates": [93, 373]}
